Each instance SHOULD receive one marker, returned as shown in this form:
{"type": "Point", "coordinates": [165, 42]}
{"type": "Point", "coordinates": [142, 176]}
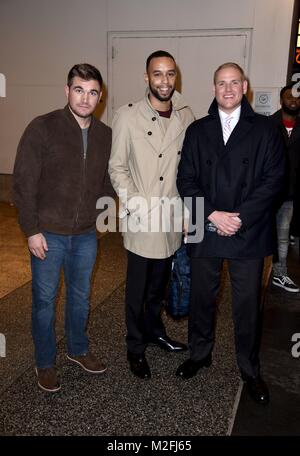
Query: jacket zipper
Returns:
{"type": "Point", "coordinates": [82, 186]}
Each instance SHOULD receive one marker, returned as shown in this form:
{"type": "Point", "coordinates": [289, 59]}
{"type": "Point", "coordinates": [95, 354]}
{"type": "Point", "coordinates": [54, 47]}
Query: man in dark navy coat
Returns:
{"type": "Point", "coordinates": [234, 159]}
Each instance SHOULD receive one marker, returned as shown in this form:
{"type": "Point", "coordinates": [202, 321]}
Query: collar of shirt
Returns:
{"type": "Point", "coordinates": [289, 123]}
{"type": "Point", "coordinates": [166, 114]}
{"type": "Point", "coordinates": [235, 114]}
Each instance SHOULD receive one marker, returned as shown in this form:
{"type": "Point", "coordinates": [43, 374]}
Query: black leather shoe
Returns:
{"type": "Point", "coordinates": [138, 365]}
{"type": "Point", "coordinates": [168, 344]}
{"type": "Point", "coordinates": [257, 389]}
{"type": "Point", "coordinates": [189, 368]}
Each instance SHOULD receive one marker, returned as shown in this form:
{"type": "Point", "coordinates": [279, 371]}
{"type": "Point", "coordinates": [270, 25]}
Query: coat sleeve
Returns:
{"type": "Point", "coordinates": [188, 176]}
{"type": "Point", "coordinates": [119, 160]}
{"type": "Point", "coordinates": [270, 185]}
{"type": "Point", "coordinates": [27, 173]}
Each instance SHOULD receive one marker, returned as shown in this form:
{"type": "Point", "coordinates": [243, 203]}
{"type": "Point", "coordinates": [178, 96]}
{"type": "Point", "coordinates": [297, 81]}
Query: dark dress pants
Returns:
{"type": "Point", "coordinates": [146, 284]}
{"type": "Point", "coordinates": [245, 277]}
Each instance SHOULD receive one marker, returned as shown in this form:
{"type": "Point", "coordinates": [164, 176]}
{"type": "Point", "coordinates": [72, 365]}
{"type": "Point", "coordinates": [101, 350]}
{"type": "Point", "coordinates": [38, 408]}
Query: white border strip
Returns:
{"type": "Point", "coordinates": [235, 408]}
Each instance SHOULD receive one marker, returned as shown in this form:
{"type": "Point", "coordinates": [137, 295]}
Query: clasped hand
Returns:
{"type": "Point", "coordinates": [227, 223]}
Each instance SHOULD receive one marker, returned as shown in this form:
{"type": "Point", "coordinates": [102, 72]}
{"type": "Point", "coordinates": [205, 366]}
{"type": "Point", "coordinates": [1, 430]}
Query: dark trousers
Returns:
{"type": "Point", "coordinates": [146, 284]}
{"type": "Point", "coordinates": [245, 277]}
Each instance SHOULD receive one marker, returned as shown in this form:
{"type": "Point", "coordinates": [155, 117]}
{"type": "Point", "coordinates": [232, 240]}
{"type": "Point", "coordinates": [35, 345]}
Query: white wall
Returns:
{"type": "Point", "coordinates": [40, 40]}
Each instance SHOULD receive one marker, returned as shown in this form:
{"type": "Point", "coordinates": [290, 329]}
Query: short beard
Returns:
{"type": "Point", "coordinates": [78, 114]}
{"type": "Point", "coordinates": [290, 112]}
{"type": "Point", "coordinates": [158, 97]}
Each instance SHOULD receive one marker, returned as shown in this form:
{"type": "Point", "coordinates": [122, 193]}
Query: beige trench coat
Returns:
{"type": "Point", "coordinates": [143, 169]}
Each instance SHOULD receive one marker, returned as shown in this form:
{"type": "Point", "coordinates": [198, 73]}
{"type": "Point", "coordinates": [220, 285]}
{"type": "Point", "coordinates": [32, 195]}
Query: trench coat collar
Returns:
{"type": "Point", "coordinates": [241, 129]}
{"type": "Point", "coordinates": [176, 124]}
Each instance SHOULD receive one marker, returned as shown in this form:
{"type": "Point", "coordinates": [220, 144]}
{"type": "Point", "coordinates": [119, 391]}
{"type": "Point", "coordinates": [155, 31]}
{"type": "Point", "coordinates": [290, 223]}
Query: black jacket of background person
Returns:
{"type": "Point", "coordinates": [292, 147]}
{"type": "Point", "coordinates": [244, 176]}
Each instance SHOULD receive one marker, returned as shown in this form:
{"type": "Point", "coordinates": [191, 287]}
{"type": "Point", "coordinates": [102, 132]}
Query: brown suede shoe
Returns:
{"type": "Point", "coordinates": [48, 380]}
{"type": "Point", "coordinates": [89, 363]}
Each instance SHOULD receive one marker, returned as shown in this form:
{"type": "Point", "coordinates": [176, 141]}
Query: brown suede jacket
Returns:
{"type": "Point", "coordinates": [55, 187]}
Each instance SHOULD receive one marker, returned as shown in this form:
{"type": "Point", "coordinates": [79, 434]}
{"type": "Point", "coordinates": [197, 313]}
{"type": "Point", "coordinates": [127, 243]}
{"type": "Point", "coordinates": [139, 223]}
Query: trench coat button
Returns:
{"type": "Point", "coordinates": [179, 152]}
{"type": "Point", "coordinates": [130, 104]}
{"type": "Point", "coordinates": [244, 184]}
{"type": "Point", "coordinates": [208, 162]}
{"type": "Point", "coordinates": [161, 178]}
{"type": "Point", "coordinates": [149, 133]}
{"type": "Point", "coordinates": [246, 161]}
{"type": "Point", "coordinates": [160, 155]}
{"type": "Point", "coordinates": [153, 118]}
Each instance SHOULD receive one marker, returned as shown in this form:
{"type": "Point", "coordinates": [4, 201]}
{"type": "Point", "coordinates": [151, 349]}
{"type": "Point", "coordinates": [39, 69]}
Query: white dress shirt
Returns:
{"type": "Point", "coordinates": [235, 117]}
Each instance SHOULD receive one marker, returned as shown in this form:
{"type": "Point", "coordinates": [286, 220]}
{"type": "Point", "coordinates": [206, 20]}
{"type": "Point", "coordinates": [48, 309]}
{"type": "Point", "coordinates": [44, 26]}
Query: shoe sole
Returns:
{"type": "Point", "coordinates": [285, 288]}
{"type": "Point", "coordinates": [87, 370]}
{"type": "Point", "coordinates": [47, 389]}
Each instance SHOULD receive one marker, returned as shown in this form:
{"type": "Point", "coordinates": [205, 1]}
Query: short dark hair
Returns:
{"type": "Point", "coordinates": [229, 65]}
{"type": "Point", "coordinates": [86, 72]}
{"type": "Point", "coordinates": [157, 54]}
{"type": "Point", "coordinates": [287, 87]}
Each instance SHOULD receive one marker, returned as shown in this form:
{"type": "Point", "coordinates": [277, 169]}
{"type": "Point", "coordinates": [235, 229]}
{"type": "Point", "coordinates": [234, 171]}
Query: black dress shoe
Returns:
{"type": "Point", "coordinates": [257, 389]}
{"type": "Point", "coordinates": [189, 368]}
{"type": "Point", "coordinates": [168, 344]}
{"type": "Point", "coordinates": [138, 365]}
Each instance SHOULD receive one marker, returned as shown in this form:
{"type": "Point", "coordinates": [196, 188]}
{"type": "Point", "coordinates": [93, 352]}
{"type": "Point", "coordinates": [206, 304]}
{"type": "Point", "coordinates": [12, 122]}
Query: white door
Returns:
{"type": "Point", "coordinates": [197, 54]}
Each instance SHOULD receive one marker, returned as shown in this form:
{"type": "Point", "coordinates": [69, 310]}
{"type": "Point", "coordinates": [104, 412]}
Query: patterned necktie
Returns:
{"type": "Point", "coordinates": [227, 128]}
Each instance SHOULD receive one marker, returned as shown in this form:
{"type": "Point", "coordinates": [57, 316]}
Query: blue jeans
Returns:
{"type": "Point", "coordinates": [283, 220]}
{"type": "Point", "coordinates": [76, 255]}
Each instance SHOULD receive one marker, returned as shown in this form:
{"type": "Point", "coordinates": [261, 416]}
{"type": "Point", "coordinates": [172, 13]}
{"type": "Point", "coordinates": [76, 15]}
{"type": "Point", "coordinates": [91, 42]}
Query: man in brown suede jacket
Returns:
{"type": "Point", "coordinates": [60, 172]}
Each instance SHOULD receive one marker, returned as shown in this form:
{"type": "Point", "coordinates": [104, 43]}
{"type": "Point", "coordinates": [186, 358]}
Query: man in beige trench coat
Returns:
{"type": "Point", "coordinates": [147, 140]}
